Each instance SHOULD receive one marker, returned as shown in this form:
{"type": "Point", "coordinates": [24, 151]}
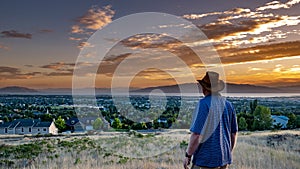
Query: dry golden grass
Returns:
{"type": "Point", "coordinates": [259, 150]}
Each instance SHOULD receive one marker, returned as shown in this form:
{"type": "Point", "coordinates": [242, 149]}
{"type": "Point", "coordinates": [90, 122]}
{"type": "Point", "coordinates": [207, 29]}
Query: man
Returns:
{"type": "Point", "coordinates": [214, 128]}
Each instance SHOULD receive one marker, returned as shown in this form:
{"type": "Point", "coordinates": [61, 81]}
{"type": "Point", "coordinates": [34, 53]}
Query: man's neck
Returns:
{"type": "Point", "coordinates": [206, 93]}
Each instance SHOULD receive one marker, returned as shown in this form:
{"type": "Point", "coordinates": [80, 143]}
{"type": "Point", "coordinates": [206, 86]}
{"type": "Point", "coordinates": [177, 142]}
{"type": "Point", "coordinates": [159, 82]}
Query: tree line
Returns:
{"type": "Point", "coordinates": [259, 118]}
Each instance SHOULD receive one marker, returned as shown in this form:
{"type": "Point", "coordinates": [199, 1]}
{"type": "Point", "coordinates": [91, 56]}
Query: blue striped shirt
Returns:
{"type": "Point", "coordinates": [215, 120]}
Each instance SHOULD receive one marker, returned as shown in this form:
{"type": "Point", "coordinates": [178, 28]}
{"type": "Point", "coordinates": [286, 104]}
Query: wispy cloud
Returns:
{"type": "Point", "coordinates": [45, 31]}
{"type": "Point", "coordinates": [157, 43]}
{"type": "Point", "coordinates": [7, 72]}
{"type": "Point", "coordinates": [235, 11]}
{"type": "Point", "coordinates": [278, 5]}
{"type": "Point", "coordinates": [59, 69]}
{"type": "Point", "coordinates": [200, 16]}
{"type": "Point", "coordinates": [59, 66]}
{"type": "Point", "coordinates": [156, 74]}
{"type": "Point", "coordinates": [77, 29]}
{"type": "Point", "coordinates": [242, 26]}
{"type": "Point", "coordinates": [260, 52]}
{"type": "Point", "coordinates": [75, 39]}
{"type": "Point", "coordinates": [95, 18]}
{"type": "Point", "coordinates": [60, 73]}
{"type": "Point", "coordinates": [15, 34]}
{"type": "Point", "coordinates": [228, 55]}
{"type": "Point", "coordinates": [236, 33]}
{"type": "Point", "coordinates": [144, 41]}
{"type": "Point", "coordinates": [84, 44]}
{"type": "Point", "coordinates": [116, 59]}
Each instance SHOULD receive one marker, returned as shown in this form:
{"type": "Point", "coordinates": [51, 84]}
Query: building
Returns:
{"type": "Point", "coordinates": [84, 124]}
{"type": "Point", "coordinates": [75, 125]}
{"type": "Point", "coordinates": [282, 120]}
{"type": "Point", "coordinates": [28, 126]}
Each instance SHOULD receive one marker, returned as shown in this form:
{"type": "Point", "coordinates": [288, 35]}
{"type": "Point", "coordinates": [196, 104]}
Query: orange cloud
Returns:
{"type": "Point", "coordinates": [260, 52]}
{"type": "Point", "coordinates": [58, 66]}
{"type": "Point", "coordinates": [241, 26]}
{"type": "Point", "coordinates": [95, 18]}
{"type": "Point", "coordinates": [60, 69]}
{"type": "Point", "coordinates": [76, 29]}
{"type": "Point", "coordinates": [15, 73]}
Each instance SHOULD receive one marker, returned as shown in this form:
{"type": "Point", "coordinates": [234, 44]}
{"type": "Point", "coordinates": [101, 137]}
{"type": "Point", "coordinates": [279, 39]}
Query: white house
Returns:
{"type": "Point", "coordinates": [28, 126]}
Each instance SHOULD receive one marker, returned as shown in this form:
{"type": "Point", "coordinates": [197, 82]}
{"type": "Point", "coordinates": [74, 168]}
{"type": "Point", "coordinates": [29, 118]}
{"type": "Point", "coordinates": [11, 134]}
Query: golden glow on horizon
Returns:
{"type": "Point", "coordinates": [267, 72]}
{"type": "Point", "coordinates": [271, 72]}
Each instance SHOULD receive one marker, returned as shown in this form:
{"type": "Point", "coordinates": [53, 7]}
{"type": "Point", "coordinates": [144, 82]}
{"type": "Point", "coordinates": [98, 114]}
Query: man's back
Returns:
{"type": "Point", "coordinates": [214, 127]}
{"type": "Point", "coordinates": [215, 120]}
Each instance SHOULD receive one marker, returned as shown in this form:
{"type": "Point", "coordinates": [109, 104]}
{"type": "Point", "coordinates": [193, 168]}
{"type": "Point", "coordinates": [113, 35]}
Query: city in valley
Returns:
{"type": "Point", "coordinates": [138, 112]}
{"type": "Point", "coordinates": [138, 131]}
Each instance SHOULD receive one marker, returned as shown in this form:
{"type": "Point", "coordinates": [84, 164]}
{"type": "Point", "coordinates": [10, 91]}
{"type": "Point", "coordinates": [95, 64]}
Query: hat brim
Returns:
{"type": "Point", "coordinates": [219, 87]}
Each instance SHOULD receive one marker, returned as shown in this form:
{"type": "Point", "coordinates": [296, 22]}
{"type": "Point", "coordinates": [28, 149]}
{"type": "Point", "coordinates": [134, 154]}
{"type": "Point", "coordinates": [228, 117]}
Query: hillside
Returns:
{"type": "Point", "coordinates": [17, 90]}
{"type": "Point", "coordinates": [113, 150]}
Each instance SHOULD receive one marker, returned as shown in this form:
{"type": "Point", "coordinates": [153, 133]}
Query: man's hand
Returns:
{"type": "Point", "coordinates": [186, 162]}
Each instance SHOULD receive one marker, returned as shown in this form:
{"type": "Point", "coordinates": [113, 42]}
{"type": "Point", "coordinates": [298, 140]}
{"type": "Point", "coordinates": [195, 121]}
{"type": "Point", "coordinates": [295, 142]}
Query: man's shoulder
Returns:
{"type": "Point", "coordinates": [228, 104]}
{"type": "Point", "coordinates": [205, 99]}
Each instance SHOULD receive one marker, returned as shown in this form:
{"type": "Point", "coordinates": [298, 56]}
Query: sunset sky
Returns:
{"type": "Point", "coordinates": [258, 41]}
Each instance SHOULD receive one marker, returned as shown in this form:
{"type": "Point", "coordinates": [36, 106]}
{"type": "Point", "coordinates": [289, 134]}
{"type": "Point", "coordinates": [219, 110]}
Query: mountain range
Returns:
{"type": "Point", "coordinates": [230, 88]}
{"type": "Point", "coordinates": [17, 90]}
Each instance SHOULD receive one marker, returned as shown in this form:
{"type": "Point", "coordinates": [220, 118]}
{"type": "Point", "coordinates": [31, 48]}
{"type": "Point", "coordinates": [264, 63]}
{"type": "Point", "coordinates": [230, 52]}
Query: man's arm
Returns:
{"type": "Point", "coordinates": [194, 143]}
{"type": "Point", "coordinates": [233, 140]}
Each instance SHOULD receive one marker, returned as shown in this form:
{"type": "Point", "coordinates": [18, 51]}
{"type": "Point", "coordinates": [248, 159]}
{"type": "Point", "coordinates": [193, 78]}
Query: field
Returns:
{"type": "Point", "coordinates": [132, 150]}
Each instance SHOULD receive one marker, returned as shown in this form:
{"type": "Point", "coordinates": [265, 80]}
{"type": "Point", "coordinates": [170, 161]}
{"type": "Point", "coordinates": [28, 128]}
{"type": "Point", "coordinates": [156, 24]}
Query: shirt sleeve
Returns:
{"type": "Point", "coordinates": [199, 118]}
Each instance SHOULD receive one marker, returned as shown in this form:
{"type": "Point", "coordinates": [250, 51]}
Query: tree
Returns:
{"type": "Point", "coordinates": [46, 117]}
{"type": "Point", "coordinates": [292, 123]}
{"type": "Point", "coordinates": [117, 123]}
{"type": "Point", "coordinates": [253, 106]}
{"type": "Point", "coordinates": [28, 114]}
{"type": "Point", "coordinates": [249, 118]}
{"type": "Point", "coordinates": [98, 124]}
{"type": "Point", "coordinates": [139, 126]}
{"type": "Point", "coordinates": [60, 124]}
{"type": "Point", "coordinates": [277, 126]}
{"type": "Point", "coordinates": [262, 118]}
{"type": "Point", "coordinates": [155, 124]}
{"type": "Point", "coordinates": [242, 124]}
{"type": "Point", "coordinates": [298, 121]}
{"type": "Point", "coordinates": [5, 119]}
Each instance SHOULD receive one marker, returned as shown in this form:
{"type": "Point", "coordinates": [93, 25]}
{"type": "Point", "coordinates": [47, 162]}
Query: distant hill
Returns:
{"type": "Point", "coordinates": [68, 91]}
{"type": "Point", "coordinates": [231, 88]}
{"type": "Point", "coordinates": [246, 88]}
{"type": "Point", "coordinates": [17, 89]}
{"type": "Point", "coordinates": [291, 89]}
{"type": "Point", "coordinates": [188, 88]}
